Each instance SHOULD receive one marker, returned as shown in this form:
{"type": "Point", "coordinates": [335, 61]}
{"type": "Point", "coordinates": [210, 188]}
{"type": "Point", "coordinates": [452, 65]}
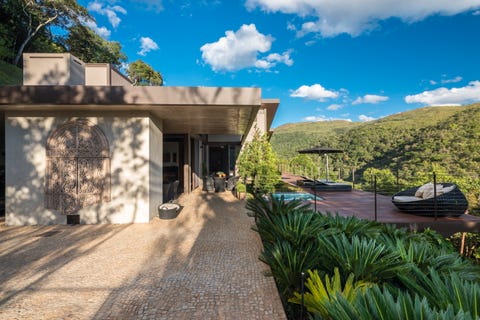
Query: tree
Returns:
{"type": "Point", "coordinates": [90, 47]}
{"type": "Point", "coordinates": [258, 162]}
{"type": "Point", "coordinates": [32, 16]}
{"type": "Point", "coordinates": [143, 74]}
{"type": "Point", "coordinates": [305, 164]}
{"type": "Point", "coordinates": [384, 177]}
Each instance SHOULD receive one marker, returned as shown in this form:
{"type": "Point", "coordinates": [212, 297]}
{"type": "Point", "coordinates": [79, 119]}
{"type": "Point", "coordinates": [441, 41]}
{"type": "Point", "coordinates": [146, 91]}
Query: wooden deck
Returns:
{"type": "Point", "coordinates": [362, 205]}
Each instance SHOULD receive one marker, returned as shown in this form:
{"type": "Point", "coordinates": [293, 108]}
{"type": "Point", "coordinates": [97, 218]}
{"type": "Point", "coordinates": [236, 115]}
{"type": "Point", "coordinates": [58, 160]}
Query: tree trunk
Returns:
{"type": "Point", "coordinates": [31, 33]}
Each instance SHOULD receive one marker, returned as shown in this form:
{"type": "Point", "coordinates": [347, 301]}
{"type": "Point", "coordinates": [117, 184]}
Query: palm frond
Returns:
{"type": "Point", "coordinates": [320, 293]}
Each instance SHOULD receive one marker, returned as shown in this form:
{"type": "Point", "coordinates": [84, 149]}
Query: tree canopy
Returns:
{"type": "Point", "coordinates": [258, 162]}
{"type": "Point", "coordinates": [90, 47]}
{"type": "Point", "coordinates": [61, 26]}
{"type": "Point", "coordinates": [24, 23]}
{"type": "Point", "coordinates": [143, 74]}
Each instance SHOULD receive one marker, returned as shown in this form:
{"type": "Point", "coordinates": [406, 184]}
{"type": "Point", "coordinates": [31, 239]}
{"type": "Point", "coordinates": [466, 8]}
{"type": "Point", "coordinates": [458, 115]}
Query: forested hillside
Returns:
{"type": "Point", "coordinates": [289, 138]}
{"type": "Point", "coordinates": [412, 140]}
{"type": "Point", "coordinates": [409, 145]}
{"type": "Point", "coordinates": [447, 136]}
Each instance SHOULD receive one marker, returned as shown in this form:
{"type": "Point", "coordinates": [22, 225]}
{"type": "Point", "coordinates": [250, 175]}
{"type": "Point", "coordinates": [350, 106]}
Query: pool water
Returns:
{"type": "Point", "coordinates": [289, 196]}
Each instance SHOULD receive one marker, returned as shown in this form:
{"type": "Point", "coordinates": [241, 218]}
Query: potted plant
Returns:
{"type": "Point", "coordinates": [241, 190]}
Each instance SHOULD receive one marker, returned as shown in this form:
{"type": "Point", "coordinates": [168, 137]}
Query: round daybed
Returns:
{"type": "Point", "coordinates": [450, 201]}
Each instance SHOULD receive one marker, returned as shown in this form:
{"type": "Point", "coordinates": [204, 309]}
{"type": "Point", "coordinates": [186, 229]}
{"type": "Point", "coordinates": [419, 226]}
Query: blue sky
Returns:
{"type": "Point", "coordinates": [356, 60]}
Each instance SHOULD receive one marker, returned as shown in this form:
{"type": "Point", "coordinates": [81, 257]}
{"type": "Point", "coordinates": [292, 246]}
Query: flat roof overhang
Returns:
{"type": "Point", "coordinates": [194, 110]}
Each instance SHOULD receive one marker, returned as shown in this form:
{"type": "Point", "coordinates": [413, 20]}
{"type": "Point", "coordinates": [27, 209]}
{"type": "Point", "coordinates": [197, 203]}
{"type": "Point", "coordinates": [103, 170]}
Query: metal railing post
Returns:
{"type": "Point", "coordinates": [353, 178]}
{"type": "Point", "coordinates": [375, 193]}
{"type": "Point", "coordinates": [303, 294]}
{"type": "Point", "coordinates": [435, 200]}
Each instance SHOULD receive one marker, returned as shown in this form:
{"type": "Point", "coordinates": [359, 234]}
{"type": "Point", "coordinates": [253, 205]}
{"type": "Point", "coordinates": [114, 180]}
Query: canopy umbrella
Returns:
{"type": "Point", "coordinates": [322, 151]}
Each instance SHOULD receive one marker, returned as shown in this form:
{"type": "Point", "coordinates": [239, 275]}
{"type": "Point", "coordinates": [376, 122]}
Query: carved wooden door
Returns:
{"type": "Point", "coordinates": [78, 167]}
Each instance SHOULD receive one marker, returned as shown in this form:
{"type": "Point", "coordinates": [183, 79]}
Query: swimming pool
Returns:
{"type": "Point", "coordinates": [289, 196]}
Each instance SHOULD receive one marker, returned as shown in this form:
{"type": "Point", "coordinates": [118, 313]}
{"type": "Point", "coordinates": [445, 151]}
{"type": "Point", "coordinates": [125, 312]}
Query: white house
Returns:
{"type": "Point", "coordinates": [82, 145]}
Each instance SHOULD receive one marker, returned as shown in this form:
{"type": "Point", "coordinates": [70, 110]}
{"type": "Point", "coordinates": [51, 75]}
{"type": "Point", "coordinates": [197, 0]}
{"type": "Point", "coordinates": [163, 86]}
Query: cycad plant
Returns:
{"type": "Point", "coordinates": [443, 291]}
{"type": "Point", "coordinates": [287, 263]}
{"type": "Point", "coordinates": [295, 227]}
{"type": "Point", "coordinates": [377, 303]}
{"type": "Point", "coordinates": [288, 231]}
{"type": "Point", "coordinates": [425, 256]}
{"type": "Point", "coordinates": [268, 206]}
{"type": "Point", "coordinates": [371, 271]}
{"type": "Point", "coordinates": [367, 259]}
{"type": "Point", "coordinates": [365, 301]}
{"type": "Point", "coordinates": [320, 293]}
{"type": "Point", "coordinates": [350, 226]}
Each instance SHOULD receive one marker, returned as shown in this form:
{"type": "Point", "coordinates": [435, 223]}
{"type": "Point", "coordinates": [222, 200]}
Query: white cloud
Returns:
{"type": "Point", "coordinates": [291, 26]}
{"type": "Point", "coordinates": [150, 5]}
{"type": "Point", "coordinates": [370, 99]}
{"type": "Point", "coordinates": [443, 96]}
{"type": "Point", "coordinates": [240, 49]}
{"type": "Point", "coordinates": [331, 18]}
{"type": "Point", "coordinates": [101, 31]}
{"type": "Point", "coordinates": [273, 59]}
{"type": "Point", "coordinates": [445, 80]}
{"type": "Point", "coordinates": [314, 92]}
{"type": "Point", "coordinates": [111, 12]}
{"type": "Point", "coordinates": [322, 118]}
{"type": "Point", "coordinates": [453, 80]}
{"type": "Point", "coordinates": [281, 58]}
{"type": "Point", "coordinates": [334, 107]}
{"type": "Point", "coordinates": [365, 118]}
{"type": "Point", "coordinates": [147, 45]}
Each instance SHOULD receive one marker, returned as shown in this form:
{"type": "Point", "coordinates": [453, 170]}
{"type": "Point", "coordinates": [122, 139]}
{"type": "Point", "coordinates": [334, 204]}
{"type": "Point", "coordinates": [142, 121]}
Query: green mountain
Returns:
{"type": "Point", "coordinates": [289, 138]}
{"type": "Point", "coordinates": [428, 133]}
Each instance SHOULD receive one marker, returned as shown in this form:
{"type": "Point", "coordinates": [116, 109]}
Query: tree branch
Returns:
{"type": "Point", "coordinates": [30, 33]}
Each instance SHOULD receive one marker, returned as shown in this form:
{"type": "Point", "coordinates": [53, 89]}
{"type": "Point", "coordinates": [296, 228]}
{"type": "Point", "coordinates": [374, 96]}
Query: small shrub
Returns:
{"type": "Point", "coordinates": [241, 187]}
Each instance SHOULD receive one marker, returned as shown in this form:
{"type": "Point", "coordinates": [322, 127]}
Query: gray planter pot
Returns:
{"type": "Point", "coordinates": [168, 210]}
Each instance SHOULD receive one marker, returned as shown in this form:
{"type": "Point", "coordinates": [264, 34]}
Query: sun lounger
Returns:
{"type": "Point", "coordinates": [321, 185]}
{"type": "Point", "coordinates": [450, 201]}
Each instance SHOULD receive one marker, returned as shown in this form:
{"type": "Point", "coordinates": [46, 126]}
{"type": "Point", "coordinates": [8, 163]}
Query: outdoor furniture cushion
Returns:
{"type": "Point", "coordinates": [407, 198]}
{"type": "Point", "coordinates": [426, 191]}
{"type": "Point", "coordinates": [451, 201]}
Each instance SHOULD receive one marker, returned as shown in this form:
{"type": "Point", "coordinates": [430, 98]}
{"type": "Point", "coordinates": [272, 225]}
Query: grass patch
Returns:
{"type": "Point", "coordinates": [10, 75]}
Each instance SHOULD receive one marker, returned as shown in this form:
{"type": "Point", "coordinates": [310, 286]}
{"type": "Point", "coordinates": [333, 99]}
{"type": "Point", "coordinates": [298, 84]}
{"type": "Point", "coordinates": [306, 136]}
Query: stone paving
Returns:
{"type": "Point", "coordinates": [201, 265]}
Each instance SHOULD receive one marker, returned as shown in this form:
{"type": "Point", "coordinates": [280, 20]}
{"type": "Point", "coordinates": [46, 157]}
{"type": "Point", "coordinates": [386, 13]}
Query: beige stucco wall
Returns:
{"type": "Point", "coordinates": [117, 79]}
{"type": "Point", "coordinates": [133, 138]}
{"type": "Point", "coordinates": [97, 74]}
{"type": "Point", "coordinates": [52, 69]}
{"type": "Point", "coordinates": [155, 165]}
{"type": "Point", "coordinates": [103, 74]}
{"type": "Point", "coordinates": [259, 124]}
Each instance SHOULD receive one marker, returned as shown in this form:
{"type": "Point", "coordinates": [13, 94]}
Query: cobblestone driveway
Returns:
{"type": "Point", "coordinates": [202, 265]}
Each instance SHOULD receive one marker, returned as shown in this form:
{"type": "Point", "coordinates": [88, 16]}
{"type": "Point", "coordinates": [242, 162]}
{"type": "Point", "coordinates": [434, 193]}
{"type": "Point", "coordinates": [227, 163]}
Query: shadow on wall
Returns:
{"type": "Point", "coordinates": [52, 77]}
{"type": "Point", "coordinates": [130, 165]}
